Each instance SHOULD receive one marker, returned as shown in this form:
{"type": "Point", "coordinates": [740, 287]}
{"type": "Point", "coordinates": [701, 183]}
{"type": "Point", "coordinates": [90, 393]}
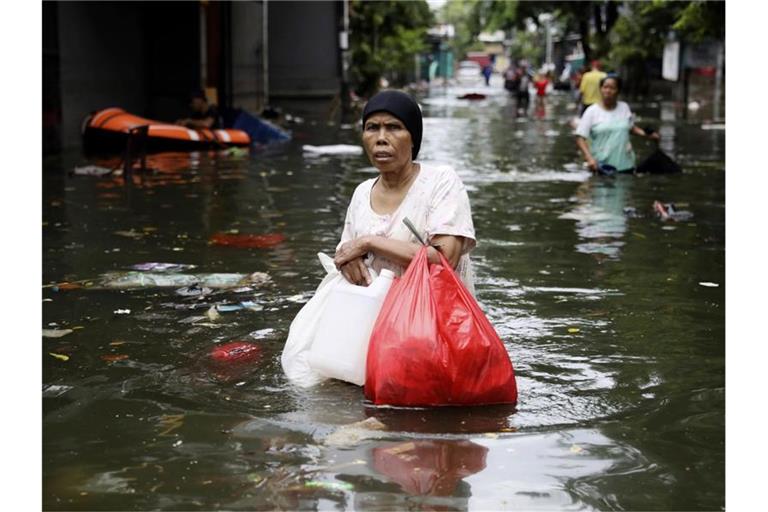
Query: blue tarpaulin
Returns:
{"type": "Point", "coordinates": [260, 131]}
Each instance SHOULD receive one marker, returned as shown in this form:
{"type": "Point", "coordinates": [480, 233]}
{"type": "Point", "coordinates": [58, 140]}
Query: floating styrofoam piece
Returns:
{"type": "Point", "coordinates": [333, 149]}
{"type": "Point", "coordinates": [91, 170]}
{"type": "Point", "coordinates": [713, 126]}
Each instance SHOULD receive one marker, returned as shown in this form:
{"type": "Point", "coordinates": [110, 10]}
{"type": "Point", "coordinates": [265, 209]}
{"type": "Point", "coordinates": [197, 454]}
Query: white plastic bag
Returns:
{"type": "Point", "coordinates": [301, 334]}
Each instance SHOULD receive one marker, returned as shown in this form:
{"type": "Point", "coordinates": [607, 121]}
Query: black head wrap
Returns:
{"type": "Point", "coordinates": [403, 107]}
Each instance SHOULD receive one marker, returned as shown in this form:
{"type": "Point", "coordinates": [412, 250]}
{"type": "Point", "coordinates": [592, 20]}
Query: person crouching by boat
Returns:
{"type": "Point", "coordinates": [201, 113]}
{"type": "Point", "coordinates": [432, 197]}
{"type": "Point", "coordinates": [603, 131]}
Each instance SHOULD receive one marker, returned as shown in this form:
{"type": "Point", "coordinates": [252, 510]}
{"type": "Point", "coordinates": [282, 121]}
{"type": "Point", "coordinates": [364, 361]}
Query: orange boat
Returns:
{"type": "Point", "coordinates": [108, 130]}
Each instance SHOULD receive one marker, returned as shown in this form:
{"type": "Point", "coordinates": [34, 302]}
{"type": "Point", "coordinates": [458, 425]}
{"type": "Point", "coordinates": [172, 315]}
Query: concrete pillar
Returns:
{"type": "Point", "coordinates": [246, 55]}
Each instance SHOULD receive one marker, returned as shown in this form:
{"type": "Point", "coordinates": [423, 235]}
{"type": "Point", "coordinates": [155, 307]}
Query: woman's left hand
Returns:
{"type": "Point", "coordinates": [654, 136]}
{"type": "Point", "coordinates": [350, 250]}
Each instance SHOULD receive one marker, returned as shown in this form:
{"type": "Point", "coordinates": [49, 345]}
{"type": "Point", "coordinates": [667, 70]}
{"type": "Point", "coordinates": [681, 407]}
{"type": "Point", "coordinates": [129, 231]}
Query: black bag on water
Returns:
{"type": "Point", "coordinates": [658, 162]}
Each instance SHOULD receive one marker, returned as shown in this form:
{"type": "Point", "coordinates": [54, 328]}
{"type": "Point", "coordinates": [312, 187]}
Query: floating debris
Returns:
{"type": "Point", "coordinates": [235, 351]}
{"type": "Point", "coordinates": [246, 241]}
{"type": "Point", "coordinates": [248, 304]}
{"type": "Point", "coordinates": [261, 333]}
{"type": "Point", "coordinates": [111, 358]}
{"type": "Point", "coordinates": [56, 333]}
{"type": "Point", "coordinates": [130, 234]}
{"type": "Point", "coordinates": [212, 314]}
{"type": "Point", "coordinates": [331, 486]}
{"type": "Point", "coordinates": [332, 149]}
{"type": "Point", "coordinates": [355, 432]}
{"type": "Point", "coordinates": [91, 170]}
{"type": "Point", "coordinates": [161, 267]}
{"type": "Point", "coordinates": [54, 390]}
{"type": "Point", "coordinates": [134, 279]}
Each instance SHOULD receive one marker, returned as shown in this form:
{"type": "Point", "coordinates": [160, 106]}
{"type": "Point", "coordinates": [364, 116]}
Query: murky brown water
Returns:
{"type": "Point", "coordinates": [618, 347]}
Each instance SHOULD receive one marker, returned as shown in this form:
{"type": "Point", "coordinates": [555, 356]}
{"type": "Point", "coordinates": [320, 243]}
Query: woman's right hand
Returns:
{"type": "Point", "coordinates": [592, 164]}
{"type": "Point", "coordinates": [356, 272]}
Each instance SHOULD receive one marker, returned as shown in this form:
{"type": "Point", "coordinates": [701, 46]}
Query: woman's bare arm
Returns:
{"type": "Point", "coordinates": [398, 251]}
{"type": "Point", "coordinates": [581, 142]}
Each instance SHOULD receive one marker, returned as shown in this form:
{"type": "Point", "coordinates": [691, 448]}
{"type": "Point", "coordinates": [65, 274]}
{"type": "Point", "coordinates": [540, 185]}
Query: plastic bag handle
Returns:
{"type": "Point", "coordinates": [410, 226]}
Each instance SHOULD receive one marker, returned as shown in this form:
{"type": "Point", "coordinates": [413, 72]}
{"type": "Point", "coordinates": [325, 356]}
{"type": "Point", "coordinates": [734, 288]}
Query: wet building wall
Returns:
{"type": "Point", "coordinates": [247, 55]}
{"type": "Point", "coordinates": [303, 48]}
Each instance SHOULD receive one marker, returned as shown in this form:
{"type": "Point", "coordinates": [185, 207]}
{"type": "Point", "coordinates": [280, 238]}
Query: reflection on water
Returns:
{"type": "Point", "coordinates": [601, 219]}
{"type": "Point", "coordinates": [617, 349]}
{"type": "Point", "coordinates": [430, 468]}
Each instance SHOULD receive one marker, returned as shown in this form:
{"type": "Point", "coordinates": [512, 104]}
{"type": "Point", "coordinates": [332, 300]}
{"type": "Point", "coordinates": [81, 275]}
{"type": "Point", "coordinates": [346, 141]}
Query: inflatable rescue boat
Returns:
{"type": "Point", "coordinates": [109, 129]}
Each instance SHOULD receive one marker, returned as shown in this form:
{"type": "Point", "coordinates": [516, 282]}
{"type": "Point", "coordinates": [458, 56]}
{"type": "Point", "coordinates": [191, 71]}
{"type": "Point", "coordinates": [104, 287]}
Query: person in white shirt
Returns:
{"type": "Point", "coordinates": [432, 197]}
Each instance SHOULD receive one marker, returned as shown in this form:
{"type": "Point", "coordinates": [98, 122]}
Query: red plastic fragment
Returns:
{"type": "Point", "coordinates": [235, 351]}
{"type": "Point", "coordinates": [248, 241]}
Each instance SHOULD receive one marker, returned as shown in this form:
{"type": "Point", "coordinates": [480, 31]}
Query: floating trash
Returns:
{"type": "Point", "coordinates": [56, 333]}
{"type": "Point", "coordinates": [212, 314]}
{"type": "Point", "coordinates": [668, 211]}
{"type": "Point", "coordinates": [130, 234]}
{"type": "Point", "coordinates": [134, 279]}
{"type": "Point", "coordinates": [261, 333]}
{"type": "Point", "coordinates": [54, 390]}
{"type": "Point", "coordinates": [247, 241]}
{"type": "Point", "coordinates": [235, 351]}
{"type": "Point", "coordinates": [111, 358]}
{"type": "Point", "coordinates": [331, 486]}
{"type": "Point", "coordinates": [161, 267]}
{"type": "Point", "coordinates": [353, 433]}
{"type": "Point", "coordinates": [193, 291]}
{"type": "Point", "coordinates": [227, 308]}
{"type": "Point", "coordinates": [91, 170]}
{"type": "Point", "coordinates": [708, 284]}
{"type": "Point", "coordinates": [332, 149]}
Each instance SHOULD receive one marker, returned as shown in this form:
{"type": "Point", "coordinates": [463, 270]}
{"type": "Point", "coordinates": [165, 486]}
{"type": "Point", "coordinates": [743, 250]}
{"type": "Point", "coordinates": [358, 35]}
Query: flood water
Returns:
{"type": "Point", "coordinates": [618, 347]}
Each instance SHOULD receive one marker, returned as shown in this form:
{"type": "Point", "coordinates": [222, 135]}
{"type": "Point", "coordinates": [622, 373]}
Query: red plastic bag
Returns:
{"type": "Point", "coordinates": [432, 344]}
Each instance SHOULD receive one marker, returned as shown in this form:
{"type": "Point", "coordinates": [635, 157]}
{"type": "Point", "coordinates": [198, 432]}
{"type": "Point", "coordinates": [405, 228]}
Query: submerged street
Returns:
{"type": "Point", "coordinates": [614, 320]}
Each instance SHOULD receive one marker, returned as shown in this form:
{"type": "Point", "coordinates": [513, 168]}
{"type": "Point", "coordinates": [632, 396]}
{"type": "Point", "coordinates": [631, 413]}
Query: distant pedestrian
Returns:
{"type": "Point", "coordinates": [540, 83]}
{"type": "Point", "coordinates": [523, 83]}
{"type": "Point", "coordinates": [604, 129]}
{"type": "Point", "coordinates": [510, 79]}
{"type": "Point", "coordinates": [487, 72]}
{"type": "Point", "coordinates": [590, 86]}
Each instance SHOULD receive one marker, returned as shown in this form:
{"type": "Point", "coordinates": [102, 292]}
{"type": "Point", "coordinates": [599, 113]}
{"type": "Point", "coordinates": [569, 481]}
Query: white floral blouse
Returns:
{"type": "Point", "coordinates": [437, 203]}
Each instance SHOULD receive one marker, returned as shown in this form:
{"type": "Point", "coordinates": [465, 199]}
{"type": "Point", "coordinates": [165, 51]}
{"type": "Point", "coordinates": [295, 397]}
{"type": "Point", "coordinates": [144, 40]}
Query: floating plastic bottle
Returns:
{"type": "Point", "coordinates": [340, 346]}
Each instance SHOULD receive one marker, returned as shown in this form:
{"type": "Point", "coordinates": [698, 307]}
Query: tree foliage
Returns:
{"type": "Point", "coordinates": [608, 29]}
{"type": "Point", "coordinates": [701, 20]}
{"type": "Point", "coordinates": [384, 38]}
{"type": "Point", "coordinates": [466, 20]}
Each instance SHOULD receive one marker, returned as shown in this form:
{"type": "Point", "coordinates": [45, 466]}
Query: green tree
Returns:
{"type": "Point", "coordinates": [643, 28]}
{"type": "Point", "coordinates": [701, 20]}
{"type": "Point", "coordinates": [473, 16]}
{"type": "Point", "coordinates": [625, 34]}
{"type": "Point", "coordinates": [466, 21]}
{"type": "Point", "coordinates": [384, 39]}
